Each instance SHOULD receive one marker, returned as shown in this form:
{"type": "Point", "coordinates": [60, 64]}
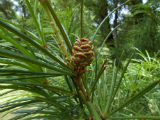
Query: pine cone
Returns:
{"type": "Point", "coordinates": [82, 52]}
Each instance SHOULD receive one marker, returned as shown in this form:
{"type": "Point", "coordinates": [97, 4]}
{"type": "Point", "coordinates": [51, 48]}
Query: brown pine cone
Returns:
{"type": "Point", "coordinates": [82, 52]}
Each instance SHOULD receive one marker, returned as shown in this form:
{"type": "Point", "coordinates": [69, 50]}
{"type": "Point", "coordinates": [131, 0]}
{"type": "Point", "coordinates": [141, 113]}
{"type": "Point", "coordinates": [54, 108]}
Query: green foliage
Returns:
{"type": "Point", "coordinates": [38, 79]}
{"type": "Point", "coordinates": [7, 9]}
{"type": "Point", "coordinates": [140, 29]}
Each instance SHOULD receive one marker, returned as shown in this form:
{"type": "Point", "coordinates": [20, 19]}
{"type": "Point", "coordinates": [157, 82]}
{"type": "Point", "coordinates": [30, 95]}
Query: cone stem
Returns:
{"type": "Point", "coordinates": [77, 80]}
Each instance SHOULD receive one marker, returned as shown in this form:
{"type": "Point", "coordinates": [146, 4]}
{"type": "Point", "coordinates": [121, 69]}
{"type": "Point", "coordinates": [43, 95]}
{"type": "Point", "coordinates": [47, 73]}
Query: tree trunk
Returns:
{"type": "Point", "coordinates": [115, 24]}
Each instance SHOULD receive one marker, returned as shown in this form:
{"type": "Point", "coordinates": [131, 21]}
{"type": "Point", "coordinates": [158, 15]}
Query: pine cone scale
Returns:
{"type": "Point", "coordinates": [78, 49]}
